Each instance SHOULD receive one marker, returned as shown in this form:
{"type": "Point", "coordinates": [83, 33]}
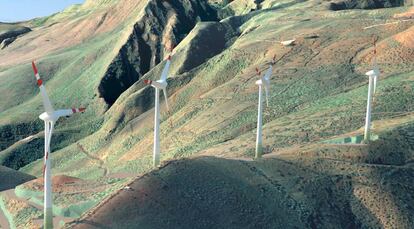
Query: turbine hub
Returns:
{"type": "Point", "coordinates": [371, 73]}
{"type": "Point", "coordinates": [48, 117]}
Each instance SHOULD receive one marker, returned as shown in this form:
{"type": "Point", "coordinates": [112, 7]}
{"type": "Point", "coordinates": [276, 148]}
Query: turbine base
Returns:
{"type": "Point", "coordinates": [259, 151]}
{"type": "Point", "coordinates": [156, 162]}
{"type": "Point", "coordinates": [48, 219]}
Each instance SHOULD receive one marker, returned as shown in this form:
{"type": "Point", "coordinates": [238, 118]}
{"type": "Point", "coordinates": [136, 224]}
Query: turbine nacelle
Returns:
{"type": "Point", "coordinates": [52, 117]}
{"type": "Point", "coordinates": [160, 84]}
{"type": "Point", "coordinates": [259, 82]}
{"type": "Point", "coordinates": [372, 73]}
{"type": "Point", "coordinates": [263, 81]}
{"type": "Point", "coordinates": [55, 115]}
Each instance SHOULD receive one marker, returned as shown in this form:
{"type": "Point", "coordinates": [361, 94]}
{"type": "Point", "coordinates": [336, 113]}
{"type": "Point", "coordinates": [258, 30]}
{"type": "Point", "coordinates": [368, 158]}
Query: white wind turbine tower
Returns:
{"type": "Point", "coordinates": [49, 117]}
{"type": "Point", "coordinates": [373, 78]}
{"type": "Point", "coordinates": [263, 81]}
{"type": "Point", "coordinates": [160, 84]}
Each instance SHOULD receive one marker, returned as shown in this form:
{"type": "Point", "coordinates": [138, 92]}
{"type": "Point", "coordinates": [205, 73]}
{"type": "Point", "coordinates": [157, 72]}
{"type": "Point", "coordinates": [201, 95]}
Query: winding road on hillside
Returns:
{"type": "Point", "coordinates": [100, 161]}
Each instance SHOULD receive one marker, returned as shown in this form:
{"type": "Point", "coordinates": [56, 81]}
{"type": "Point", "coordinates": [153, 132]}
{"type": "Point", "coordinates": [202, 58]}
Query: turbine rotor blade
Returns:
{"type": "Point", "coordinates": [375, 83]}
{"type": "Point", "coordinates": [166, 99]}
{"type": "Point", "coordinates": [266, 81]}
{"type": "Point", "coordinates": [78, 110]}
{"type": "Point", "coordinates": [258, 72]}
{"type": "Point", "coordinates": [164, 73]}
{"type": "Point", "coordinates": [268, 73]}
{"type": "Point", "coordinates": [69, 112]}
{"type": "Point", "coordinates": [45, 98]}
{"type": "Point", "coordinates": [375, 65]}
{"type": "Point", "coordinates": [50, 134]}
{"type": "Point", "coordinates": [266, 86]}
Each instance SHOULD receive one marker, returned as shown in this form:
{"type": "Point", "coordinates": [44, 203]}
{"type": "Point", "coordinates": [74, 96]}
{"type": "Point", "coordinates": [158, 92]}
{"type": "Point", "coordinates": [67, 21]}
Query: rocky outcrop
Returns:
{"type": "Point", "coordinates": [164, 24]}
{"type": "Point", "coordinates": [205, 41]}
{"type": "Point", "coordinates": [6, 38]}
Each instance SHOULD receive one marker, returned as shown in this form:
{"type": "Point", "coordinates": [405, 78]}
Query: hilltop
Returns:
{"type": "Point", "coordinates": [318, 95]}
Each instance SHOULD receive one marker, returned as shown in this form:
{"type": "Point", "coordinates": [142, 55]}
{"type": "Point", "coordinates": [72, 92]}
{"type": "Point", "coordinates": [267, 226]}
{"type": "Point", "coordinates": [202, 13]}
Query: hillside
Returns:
{"type": "Point", "coordinates": [271, 193]}
{"type": "Point", "coordinates": [313, 186]}
{"type": "Point", "coordinates": [318, 95]}
{"type": "Point", "coordinates": [98, 49]}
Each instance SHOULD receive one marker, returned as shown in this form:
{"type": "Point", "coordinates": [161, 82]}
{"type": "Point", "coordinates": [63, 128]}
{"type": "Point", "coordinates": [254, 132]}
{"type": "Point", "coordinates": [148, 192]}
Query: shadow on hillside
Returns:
{"type": "Point", "coordinates": [380, 194]}
{"type": "Point", "coordinates": [395, 147]}
{"type": "Point", "coordinates": [209, 192]}
{"type": "Point", "coordinates": [10, 178]}
{"type": "Point", "coordinates": [393, 177]}
{"type": "Point", "coordinates": [90, 224]}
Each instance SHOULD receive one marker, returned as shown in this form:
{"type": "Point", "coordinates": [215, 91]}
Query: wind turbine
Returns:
{"type": "Point", "coordinates": [263, 81]}
{"type": "Point", "coordinates": [160, 84]}
{"type": "Point", "coordinates": [372, 84]}
{"type": "Point", "coordinates": [49, 117]}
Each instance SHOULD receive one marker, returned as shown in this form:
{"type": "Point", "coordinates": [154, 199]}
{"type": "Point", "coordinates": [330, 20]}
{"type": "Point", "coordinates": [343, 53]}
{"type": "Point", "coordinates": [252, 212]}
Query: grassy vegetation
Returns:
{"type": "Point", "coordinates": [18, 213]}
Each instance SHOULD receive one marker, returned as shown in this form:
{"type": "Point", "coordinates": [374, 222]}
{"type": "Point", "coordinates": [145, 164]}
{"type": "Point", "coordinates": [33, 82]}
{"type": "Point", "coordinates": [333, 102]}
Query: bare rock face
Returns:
{"type": "Point", "coordinates": [6, 42]}
{"type": "Point", "coordinates": [205, 40]}
{"type": "Point", "coordinates": [203, 45]}
{"type": "Point", "coordinates": [365, 4]}
{"type": "Point", "coordinates": [6, 38]}
{"type": "Point", "coordinates": [165, 24]}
